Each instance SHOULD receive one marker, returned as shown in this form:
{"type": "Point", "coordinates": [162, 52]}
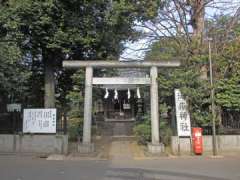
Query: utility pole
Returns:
{"type": "Point", "coordinates": [212, 100]}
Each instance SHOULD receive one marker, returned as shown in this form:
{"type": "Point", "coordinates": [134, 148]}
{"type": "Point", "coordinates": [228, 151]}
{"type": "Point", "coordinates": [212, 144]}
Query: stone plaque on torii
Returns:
{"type": "Point", "coordinates": [87, 146]}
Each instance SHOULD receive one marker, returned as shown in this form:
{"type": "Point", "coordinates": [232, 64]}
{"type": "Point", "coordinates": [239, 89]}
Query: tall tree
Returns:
{"type": "Point", "coordinates": [53, 30]}
{"type": "Point", "coordinates": [225, 54]}
{"type": "Point", "coordinates": [13, 75]}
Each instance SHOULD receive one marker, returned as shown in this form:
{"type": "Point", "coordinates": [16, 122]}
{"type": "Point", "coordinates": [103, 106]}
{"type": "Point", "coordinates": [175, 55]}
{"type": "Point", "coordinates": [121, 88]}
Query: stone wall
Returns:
{"type": "Point", "coordinates": [224, 143]}
{"type": "Point", "coordinates": [33, 144]}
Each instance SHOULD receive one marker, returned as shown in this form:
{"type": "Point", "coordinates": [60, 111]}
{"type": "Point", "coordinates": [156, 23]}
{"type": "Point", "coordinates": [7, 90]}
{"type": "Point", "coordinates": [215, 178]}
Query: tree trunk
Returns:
{"type": "Point", "coordinates": [197, 23]}
{"type": "Point", "coordinates": [49, 84]}
{"type": "Point", "coordinates": [197, 19]}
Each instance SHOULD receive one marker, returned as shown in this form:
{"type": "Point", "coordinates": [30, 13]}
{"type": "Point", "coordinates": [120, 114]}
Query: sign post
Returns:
{"type": "Point", "coordinates": [182, 117]}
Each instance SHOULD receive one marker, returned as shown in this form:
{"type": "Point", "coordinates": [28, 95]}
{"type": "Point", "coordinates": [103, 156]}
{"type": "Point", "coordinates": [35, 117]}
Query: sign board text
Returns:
{"type": "Point", "coordinates": [39, 120]}
{"type": "Point", "coordinates": [182, 115]}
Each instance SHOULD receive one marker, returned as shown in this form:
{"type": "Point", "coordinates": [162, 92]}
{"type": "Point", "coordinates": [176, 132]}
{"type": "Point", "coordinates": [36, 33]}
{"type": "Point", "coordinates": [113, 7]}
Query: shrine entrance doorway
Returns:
{"type": "Point", "coordinates": [121, 109]}
{"type": "Point", "coordinates": [116, 116]}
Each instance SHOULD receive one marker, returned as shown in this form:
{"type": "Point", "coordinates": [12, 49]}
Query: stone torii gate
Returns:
{"type": "Point", "coordinates": [155, 146]}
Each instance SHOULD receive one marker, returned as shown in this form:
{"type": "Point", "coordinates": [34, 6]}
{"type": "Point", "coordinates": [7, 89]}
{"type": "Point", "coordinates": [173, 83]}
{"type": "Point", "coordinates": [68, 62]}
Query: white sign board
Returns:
{"type": "Point", "coordinates": [126, 106]}
{"type": "Point", "coordinates": [122, 80]}
{"type": "Point", "coordinates": [39, 120]}
{"type": "Point", "coordinates": [14, 107]}
{"type": "Point", "coordinates": [182, 115]}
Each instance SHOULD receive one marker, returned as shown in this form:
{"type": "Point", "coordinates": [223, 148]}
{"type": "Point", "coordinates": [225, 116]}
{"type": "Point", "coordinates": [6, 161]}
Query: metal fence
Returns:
{"type": "Point", "coordinates": [61, 122]}
{"type": "Point", "coordinates": [231, 119]}
{"type": "Point", "coordinates": [10, 123]}
{"type": "Point", "coordinates": [230, 124]}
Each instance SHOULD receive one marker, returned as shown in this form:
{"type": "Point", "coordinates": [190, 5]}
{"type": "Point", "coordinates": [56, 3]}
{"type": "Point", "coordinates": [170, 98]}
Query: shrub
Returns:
{"type": "Point", "coordinates": [75, 127]}
{"type": "Point", "coordinates": [142, 132]}
{"type": "Point", "coordinates": [165, 132]}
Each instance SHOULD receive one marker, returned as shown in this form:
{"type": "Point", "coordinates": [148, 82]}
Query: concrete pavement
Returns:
{"type": "Point", "coordinates": [187, 168]}
{"type": "Point", "coordinates": [28, 168]}
{"type": "Point", "coordinates": [120, 166]}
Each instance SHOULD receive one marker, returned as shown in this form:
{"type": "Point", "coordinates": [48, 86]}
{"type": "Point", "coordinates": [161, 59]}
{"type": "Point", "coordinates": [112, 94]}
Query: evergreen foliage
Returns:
{"type": "Point", "coordinates": [50, 31]}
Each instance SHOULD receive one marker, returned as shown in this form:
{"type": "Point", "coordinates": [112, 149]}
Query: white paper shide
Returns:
{"type": "Point", "coordinates": [182, 115]}
{"type": "Point", "coordinates": [39, 120]}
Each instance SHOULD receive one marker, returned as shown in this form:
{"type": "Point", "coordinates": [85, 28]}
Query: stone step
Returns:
{"type": "Point", "coordinates": [123, 138]}
{"type": "Point", "coordinates": [116, 128]}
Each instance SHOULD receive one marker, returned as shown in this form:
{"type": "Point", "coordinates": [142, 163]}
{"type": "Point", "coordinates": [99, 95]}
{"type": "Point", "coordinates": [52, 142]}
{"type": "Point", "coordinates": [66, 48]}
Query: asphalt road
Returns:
{"type": "Point", "coordinates": [188, 168]}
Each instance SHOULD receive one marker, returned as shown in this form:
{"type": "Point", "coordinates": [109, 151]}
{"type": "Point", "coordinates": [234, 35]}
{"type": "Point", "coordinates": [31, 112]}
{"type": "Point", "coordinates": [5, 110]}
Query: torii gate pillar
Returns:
{"type": "Point", "coordinates": [87, 146]}
{"type": "Point", "coordinates": [87, 106]}
{"type": "Point", "coordinates": [155, 146]}
{"type": "Point", "coordinates": [154, 105]}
